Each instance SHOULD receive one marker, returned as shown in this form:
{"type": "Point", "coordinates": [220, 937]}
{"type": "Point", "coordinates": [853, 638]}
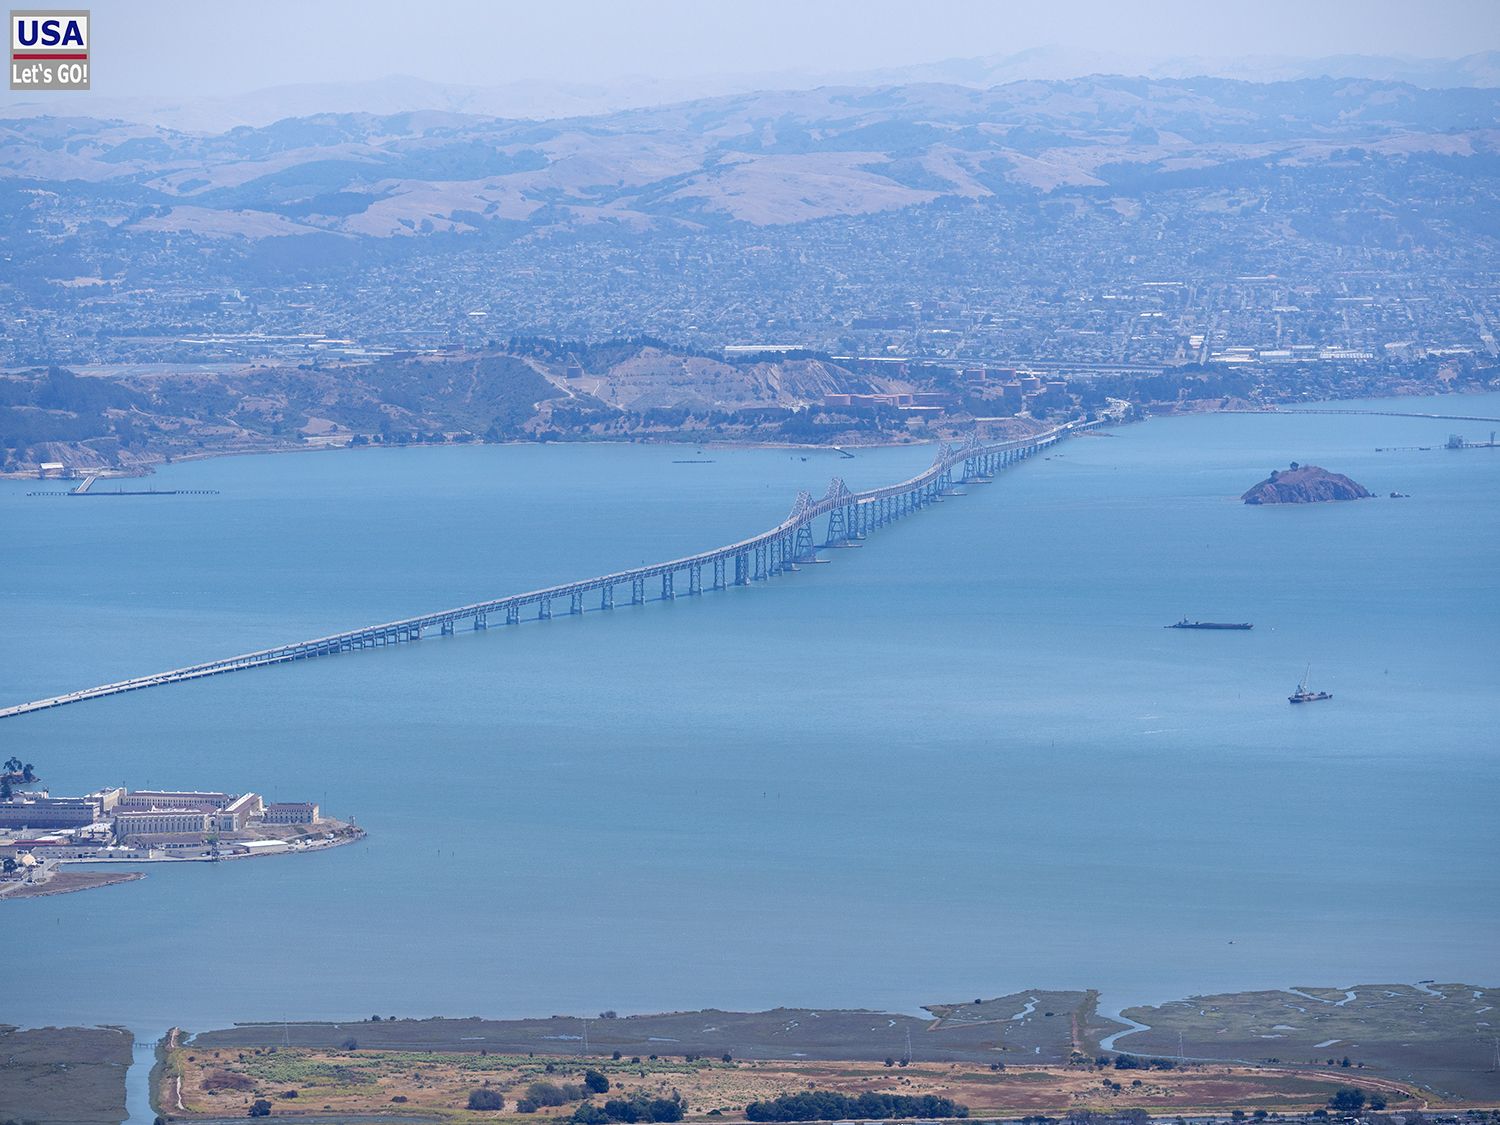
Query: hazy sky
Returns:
{"type": "Point", "coordinates": [185, 47]}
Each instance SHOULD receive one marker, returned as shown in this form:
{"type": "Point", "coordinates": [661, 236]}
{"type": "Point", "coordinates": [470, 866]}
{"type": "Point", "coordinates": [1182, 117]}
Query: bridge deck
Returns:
{"type": "Point", "coordinates": [752, 558]}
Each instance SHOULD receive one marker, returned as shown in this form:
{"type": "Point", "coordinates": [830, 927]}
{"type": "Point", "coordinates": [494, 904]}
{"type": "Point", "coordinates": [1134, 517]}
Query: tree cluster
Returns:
{"type": "Point", "coordinates": [1130, 1062]}
{"type": "Point", "coordinates": [540, 1095]}
{"type": "Point", "coordinates": [1351, 1099]}
{"type": "Point", "coordinates": [636, 1108]}
{"type": "Point", "coordinates": [826, 1105]}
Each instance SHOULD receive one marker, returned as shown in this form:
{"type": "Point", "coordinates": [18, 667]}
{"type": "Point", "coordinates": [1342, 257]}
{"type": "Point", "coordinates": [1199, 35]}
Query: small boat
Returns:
{"type": "Point", "coordinates": [1303, 695]}
{"type": "Point", "coordinates": [1186, 624]}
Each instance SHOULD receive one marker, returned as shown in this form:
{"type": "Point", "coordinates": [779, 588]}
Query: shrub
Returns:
{"type": "Point", "coordinates": [260, 1108]}
{"type": "Point", "coordinates": [545, 1093]}
{"type": "Point", "coordinates": [350, 1044]}
{"type": "Point", "coordinates": [485, 1099]}
{"type": "Point", "coordinates": [595, 1081]}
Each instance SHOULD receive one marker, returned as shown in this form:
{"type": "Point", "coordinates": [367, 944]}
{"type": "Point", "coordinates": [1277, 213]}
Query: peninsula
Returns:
{"type": "Point", "coordinates": [1304, 484]}
{"type": "Point", "coordinates": [39, 833]}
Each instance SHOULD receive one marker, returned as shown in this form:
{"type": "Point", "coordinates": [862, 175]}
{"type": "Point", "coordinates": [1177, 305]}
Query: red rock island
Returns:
{"type": "Point", "coordinates": [1304, 484]}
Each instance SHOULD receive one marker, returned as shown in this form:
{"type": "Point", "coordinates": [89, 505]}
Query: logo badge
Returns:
{"type": "Point", "coordinates": [49, 50]}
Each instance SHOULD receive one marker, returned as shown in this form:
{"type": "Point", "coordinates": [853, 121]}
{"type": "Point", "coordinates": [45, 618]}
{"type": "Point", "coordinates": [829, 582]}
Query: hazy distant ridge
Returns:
{"type": "Point", "coordinates": [540, 100]}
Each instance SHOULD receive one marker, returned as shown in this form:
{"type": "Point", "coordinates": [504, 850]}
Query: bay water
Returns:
{"type": "Point", "coordinates": [960, 760]}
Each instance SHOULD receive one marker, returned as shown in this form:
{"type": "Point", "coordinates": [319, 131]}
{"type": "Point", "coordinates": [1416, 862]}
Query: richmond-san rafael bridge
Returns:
{"type": "Point", "coordinates": [849, 516]}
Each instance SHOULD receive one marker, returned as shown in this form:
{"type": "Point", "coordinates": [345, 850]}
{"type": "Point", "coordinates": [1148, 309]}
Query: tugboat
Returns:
{"type": "Point", "coordinates": [1186, 624]}
{"type": "Point", "coordinates": [1302, 695]}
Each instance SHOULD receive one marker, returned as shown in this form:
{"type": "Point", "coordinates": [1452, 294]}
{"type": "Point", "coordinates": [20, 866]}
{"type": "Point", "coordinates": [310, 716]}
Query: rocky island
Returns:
{"type": "Point", "coordinates": [1304, 484]}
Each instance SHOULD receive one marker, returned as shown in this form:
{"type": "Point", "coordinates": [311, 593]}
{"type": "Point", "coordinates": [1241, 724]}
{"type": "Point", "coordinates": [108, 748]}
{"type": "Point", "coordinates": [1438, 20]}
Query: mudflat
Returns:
{"type": "Point", "coordinates": [64, 1075]}
{"type": "Point", "coordinates": [1440, 1036]}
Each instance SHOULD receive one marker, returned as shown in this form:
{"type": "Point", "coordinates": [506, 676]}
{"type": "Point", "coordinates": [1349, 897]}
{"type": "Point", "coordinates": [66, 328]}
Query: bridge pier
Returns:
{"type": "Point", "coordinates": [512, 615]}
{"type": "Point", "coordinates": [447, 628]}
{"type": "Point", "coordinates": [695, 578]}
{"type": "Point", "coordinates": [838, 528]}
{"type": "Point", "coordinates": [803, 548]}
{"type": "Point", "coordinates": [719, 572]}
{"type": "Point", "coordinates": [666, 586]}
{"type": "Point", "coordinates": [607, 596]}
{"type": "Point", "coordinates": [481, 621]}
{"type": "Point", "coordinates": [742, 569]}
{"type": "Point", "coordinates": [544, 609]}
{"type": "Point", "coordinates": [575, 603]}
{"type": "Point", "coordinates": [637, 590]}
{"type": "Point", "coordinates": [760, 562]}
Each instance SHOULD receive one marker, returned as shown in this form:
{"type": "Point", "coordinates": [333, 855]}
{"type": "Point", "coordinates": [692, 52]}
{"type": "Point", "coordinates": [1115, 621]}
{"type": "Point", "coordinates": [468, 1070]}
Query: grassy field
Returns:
{"type": "Point", "coordinates": [223, 1082]}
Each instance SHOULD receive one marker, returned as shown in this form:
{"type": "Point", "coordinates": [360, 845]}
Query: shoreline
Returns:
{"type": "Point", "coordinates": [1007, 1055]}
{"type": "Point", "coordinates": [151, 469]}
{"type": "Point", "coordinates": [85, 880]}
{"type": "Point", "coordinates": [1027, 427]}
{"type": "Point", "coordinates": [80, 881]}
{"type": "Point", "coordinates": [1161, 410]}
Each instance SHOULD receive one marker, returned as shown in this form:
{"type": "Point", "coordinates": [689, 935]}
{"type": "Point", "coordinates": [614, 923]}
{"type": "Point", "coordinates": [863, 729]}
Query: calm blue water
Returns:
{"type": "Point", "coordinates": [961, 760]}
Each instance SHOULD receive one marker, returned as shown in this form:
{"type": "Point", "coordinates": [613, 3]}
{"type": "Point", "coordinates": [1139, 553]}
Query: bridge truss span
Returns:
{"type": "Point", "coordinates": [849, 516]}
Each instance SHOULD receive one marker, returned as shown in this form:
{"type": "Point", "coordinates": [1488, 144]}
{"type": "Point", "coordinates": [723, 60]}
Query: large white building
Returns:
{"type": "Point", "coordinates": [291, 812]}
{"type": "Point", "coordinates": [159, 822]}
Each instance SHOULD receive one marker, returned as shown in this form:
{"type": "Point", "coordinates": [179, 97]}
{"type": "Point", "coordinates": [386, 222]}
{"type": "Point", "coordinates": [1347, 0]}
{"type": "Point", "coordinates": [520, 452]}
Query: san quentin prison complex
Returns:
{"type": "Point", "coordinates": [146, 819]}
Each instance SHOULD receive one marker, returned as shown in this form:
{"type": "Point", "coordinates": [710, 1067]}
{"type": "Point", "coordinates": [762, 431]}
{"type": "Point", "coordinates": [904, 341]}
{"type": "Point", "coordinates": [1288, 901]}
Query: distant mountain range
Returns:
{"type": "Point", "coordinates": [538, 100]}
{"type": "Point", "coordinates": [764, 159]}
